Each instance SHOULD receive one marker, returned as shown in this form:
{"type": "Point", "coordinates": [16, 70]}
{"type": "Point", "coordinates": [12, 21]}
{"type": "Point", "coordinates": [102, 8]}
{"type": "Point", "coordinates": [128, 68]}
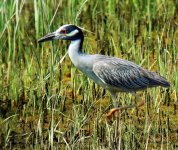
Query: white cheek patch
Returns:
{"type": "Point", "coordinates": [73, 33]}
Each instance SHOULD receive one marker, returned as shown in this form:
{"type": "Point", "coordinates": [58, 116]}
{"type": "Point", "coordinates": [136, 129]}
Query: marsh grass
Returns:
{"type": "Point", "coordinates": [48, 105]}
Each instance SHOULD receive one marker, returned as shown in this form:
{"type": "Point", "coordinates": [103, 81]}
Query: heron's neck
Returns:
{"type": "Point", "coordinates": [75, 50]}
{"type": "Point", "coordinates": [76, 45]}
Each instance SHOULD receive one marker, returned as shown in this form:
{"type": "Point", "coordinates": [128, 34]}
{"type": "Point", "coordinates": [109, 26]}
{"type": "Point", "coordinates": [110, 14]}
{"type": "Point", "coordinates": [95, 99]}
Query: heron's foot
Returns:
{"type": "Point", "coordinates": [114, 112]}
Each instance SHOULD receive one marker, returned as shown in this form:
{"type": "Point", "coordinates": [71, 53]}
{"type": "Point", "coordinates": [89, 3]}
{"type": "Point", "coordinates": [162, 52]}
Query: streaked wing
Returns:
{"type": "Point", "coordinates": [121, 74]}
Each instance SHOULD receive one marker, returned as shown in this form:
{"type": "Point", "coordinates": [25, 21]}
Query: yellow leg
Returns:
{"type": "Point", "coordinates": [115, 111]}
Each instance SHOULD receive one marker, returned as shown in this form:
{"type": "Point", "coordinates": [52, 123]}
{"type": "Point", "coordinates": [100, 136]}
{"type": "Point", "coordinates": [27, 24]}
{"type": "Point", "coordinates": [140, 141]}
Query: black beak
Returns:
{"type": "Point", "coordinates": [48, 37]}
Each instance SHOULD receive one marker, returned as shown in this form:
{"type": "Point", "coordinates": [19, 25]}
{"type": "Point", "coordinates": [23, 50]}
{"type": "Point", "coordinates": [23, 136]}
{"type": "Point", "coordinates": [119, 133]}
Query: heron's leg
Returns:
{"type": "Point", "coordinates": [114, 98]}
{"type": "Point", "coordinates": [116, 109]}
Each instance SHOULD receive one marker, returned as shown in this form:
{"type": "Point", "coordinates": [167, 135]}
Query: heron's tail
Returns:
{"type": "Point", "coordinates": [158, 80]}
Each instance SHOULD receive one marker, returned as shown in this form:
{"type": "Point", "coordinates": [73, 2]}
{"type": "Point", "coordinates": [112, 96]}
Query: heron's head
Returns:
{"type": "Point", "coordinates": [65, 32]}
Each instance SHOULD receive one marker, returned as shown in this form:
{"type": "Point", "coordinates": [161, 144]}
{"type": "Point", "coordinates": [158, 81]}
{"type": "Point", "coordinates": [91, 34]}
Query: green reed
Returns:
{"type": "Point", "coordinates": [45, 104]}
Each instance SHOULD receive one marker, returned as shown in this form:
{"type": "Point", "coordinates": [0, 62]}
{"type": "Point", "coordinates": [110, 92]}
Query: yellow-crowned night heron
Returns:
{"type": "Point", "coordinates": [113, 74]}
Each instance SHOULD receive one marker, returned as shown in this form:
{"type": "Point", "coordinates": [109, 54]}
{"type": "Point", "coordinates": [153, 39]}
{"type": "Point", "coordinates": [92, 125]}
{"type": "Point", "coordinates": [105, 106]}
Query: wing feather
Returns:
{"type": "Point", "coordinates": [124, 75]}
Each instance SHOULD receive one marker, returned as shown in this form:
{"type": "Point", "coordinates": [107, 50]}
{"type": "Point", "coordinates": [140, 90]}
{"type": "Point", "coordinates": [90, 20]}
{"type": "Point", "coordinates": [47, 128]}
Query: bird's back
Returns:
{"type": "Point", "coordinates": [126, 76]}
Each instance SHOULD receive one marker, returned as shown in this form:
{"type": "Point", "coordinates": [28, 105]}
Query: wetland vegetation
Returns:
{"type": "Point", "coordinates": [46, 104]}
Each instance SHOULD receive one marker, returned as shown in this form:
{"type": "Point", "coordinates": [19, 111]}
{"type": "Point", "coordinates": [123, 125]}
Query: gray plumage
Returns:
{"type": "Point", "coordinates": [124, 76]}
{"type": "Point", "coordinates": [113, 74]}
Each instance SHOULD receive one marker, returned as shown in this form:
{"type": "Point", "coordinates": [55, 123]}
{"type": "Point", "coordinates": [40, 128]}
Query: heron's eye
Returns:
{"type": "Point", "coordinates": [63, 31]}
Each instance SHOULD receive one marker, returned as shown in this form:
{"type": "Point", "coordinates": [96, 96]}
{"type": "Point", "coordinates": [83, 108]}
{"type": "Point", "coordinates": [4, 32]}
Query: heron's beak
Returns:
{"type": "Point", "coordinates": [49, 37]}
